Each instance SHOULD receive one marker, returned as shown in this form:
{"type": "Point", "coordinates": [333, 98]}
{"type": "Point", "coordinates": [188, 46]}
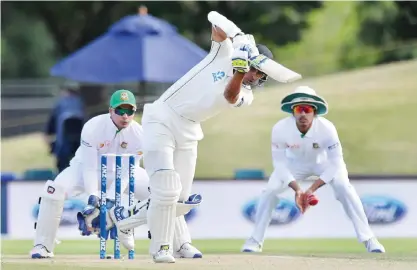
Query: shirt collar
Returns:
{"type": "Point", "coordinates": [310, 132]}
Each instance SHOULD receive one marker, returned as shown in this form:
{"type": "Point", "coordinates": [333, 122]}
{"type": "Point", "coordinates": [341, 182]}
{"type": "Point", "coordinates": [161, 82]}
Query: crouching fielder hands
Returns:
{"type": "Point", "coordinates": [304, 200]}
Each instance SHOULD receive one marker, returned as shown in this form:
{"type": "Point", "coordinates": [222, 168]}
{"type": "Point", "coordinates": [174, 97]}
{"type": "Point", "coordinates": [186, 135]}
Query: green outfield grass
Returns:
{"type": "Point", "coordinates": [374, 110]}
{"type": "Point", "coordinates": [74, 254]}
{"type": "Point", "coordinates": [397, 247]}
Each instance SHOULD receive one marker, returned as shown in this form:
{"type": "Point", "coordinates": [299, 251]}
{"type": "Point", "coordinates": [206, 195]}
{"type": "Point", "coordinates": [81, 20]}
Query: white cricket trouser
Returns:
{"type": "Point", "coordinates": [167, 155]}
{"type": "Point", "coordinates": [70, 183]}
{"type": "Point", "coordinates": [344, 192]}
{"type": "Point", "coordinates": [168, 146]}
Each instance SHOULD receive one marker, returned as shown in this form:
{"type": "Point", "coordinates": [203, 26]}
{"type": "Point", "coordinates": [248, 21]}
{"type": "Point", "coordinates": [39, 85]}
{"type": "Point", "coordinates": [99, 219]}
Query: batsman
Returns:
{"type": "Point", "coordinates": [224, 79]}
{"type": "Point", "coordinates": [306, 144]}
{"type": "Point", "coordinates": [115, 132]}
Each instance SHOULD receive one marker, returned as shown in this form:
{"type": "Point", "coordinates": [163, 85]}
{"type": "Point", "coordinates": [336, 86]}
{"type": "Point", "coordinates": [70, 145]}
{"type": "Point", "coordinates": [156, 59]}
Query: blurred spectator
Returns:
{"type": "Point", "coordinates": [63, 129]}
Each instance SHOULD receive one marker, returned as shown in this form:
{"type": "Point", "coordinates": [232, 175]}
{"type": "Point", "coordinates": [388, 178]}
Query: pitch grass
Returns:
{"type": "Point", "coordinates": [224, 254]}
{"type": "Point", "coordinates": [374, 110]}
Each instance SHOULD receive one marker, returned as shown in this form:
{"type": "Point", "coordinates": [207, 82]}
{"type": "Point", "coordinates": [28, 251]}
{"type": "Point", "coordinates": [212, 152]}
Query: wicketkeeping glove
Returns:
{"type": "Point", "coordinates": [89, 220]}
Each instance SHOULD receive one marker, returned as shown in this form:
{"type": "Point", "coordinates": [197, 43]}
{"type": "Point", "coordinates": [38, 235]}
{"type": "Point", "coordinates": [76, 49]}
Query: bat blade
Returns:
{"type": "Point", "coordinates": [275, 70]}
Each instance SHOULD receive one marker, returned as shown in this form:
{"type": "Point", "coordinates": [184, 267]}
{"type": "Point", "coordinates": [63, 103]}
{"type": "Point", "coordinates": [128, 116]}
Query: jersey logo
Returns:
{"type": "Point", "coordinates": [316, 145]}
{"type": "Point", "coordinates": [123, 145]}
{"type": "Point", "coordinates": [50, 190]}
{"type": "Point", "coordinates": [218, 76]}
{"type": "Point", "coordinates": [333, 146]}
{"type": "Point", "coordinates": [124, 96]}
{"type": "Point", "coordinates": [106, 143]}
{"type": "Point", "coordinates": [293, 146]}
{"type": "Point", "coordinates": [85, 143]}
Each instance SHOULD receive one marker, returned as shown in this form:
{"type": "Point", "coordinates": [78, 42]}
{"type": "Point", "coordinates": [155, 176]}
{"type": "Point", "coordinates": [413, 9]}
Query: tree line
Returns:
{"type": "Point", "coordinates": [37, 34]}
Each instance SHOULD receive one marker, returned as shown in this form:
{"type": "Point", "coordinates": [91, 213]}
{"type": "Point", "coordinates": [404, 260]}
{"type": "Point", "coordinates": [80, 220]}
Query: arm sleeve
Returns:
{"type": "Point", "coordinates": [89, 160]}
{"type": "Point", "coordinates": [222, 49]}
{"type": "Point", "coordinates": [279, 158]}
{"type": "Point", "coordinates": [245, 98]}
{"type": "Point", "coordinates": [334, 151]}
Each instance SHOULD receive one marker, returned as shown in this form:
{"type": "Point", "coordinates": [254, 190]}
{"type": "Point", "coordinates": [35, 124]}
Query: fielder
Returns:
{"type": "Point", "coordinates": [304, 145]}
{"type": "Point", "coordinates": [112, 133]}
{"type": "Point", "coordinates": [223, 79]}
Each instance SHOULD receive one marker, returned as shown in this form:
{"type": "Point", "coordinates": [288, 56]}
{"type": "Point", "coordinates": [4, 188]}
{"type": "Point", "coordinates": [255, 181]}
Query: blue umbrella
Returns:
{"type": "Point", "coordinates": [138, 48]}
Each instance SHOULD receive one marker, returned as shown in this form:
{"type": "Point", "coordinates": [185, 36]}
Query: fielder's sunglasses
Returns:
{"type": "Point", "coordinates": [122, 111]}
{"type": "Point", "coordinates": [303, 108]}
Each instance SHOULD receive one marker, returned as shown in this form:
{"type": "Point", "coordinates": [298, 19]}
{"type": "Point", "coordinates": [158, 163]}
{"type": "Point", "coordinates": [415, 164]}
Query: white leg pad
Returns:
{"type": "Point", "coordinates": [140, 214]}
{"type": "Point", "coordinates": [165, 188]}
{"type": "Point", "coordinates": [181, 233]}
{"type": "Point", "coordinates": [50, 212]}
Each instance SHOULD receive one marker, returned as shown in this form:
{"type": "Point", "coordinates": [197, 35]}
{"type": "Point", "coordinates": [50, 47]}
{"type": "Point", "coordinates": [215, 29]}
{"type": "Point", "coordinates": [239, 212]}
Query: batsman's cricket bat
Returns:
{"type": "Point", "coordinates": [268, 66]}
{"type": "Point", "coordinates": [275, 70]}
{"type": "Point", "coordinates": [225, 24]}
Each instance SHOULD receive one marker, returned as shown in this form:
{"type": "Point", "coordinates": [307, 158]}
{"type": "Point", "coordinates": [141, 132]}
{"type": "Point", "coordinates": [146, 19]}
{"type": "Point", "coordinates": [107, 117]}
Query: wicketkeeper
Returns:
{"type": "Point", "coordinates": [114, 133]}
{"type": "Point", "coordinates": [306, 144]}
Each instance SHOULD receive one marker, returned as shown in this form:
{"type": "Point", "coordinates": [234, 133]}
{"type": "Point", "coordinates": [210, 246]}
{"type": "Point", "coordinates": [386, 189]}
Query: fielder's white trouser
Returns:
{"type": "Point", "coordinates": [344, 192]}
{"type": "Point", "coordinates": [70, 183]}
{"type": "Point", "coordinates": [170, 163]}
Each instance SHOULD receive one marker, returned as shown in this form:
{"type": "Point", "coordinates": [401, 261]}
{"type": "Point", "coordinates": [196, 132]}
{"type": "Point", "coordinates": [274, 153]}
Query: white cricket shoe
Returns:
{"type": "Point", "coordinates": [372, 245]}
{"type": "Point", "coordinates": [163, 256]}
{"type": "Point", "coordinates": [188, 251]}
{"type": "Point", "coordinates": [40, 252]}
{"type": "Point", "coordinates": [251, 245]}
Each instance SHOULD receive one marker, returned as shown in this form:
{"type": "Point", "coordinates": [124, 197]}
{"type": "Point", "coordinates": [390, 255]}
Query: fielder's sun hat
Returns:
{"type": "Point", "coordinates": [122, 97]}
{"type": "Point", "coordinates": [304, 95]}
